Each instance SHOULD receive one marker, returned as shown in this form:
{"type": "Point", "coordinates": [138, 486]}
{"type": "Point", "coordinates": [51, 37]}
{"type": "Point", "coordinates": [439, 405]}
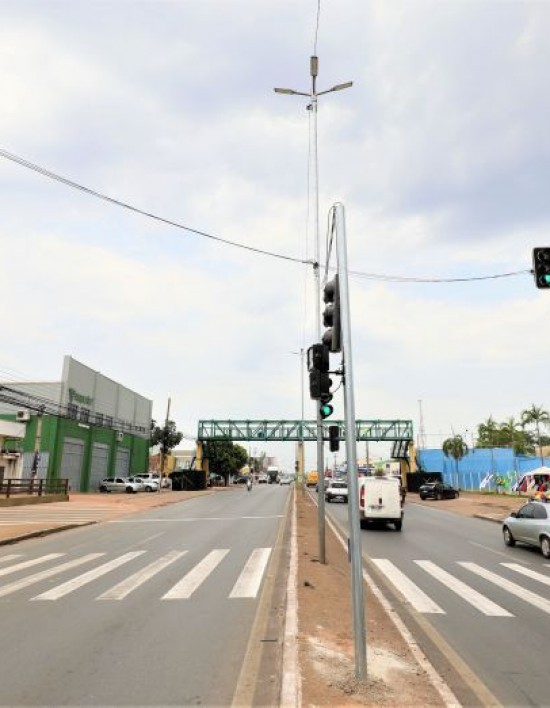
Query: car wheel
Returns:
{"type": "Point", "coordinates": [129, 490]}
{"type": "Point", "coordinates": [422, 496]}
{"type": "Point", "coordinates": [437, 496]}
{"type": "Point", "coordinates": [509, 540]}
{"type": "Point", "coordinates": [457, 495]}
{"type": "Point", "coordinates": [363, 523]}
{"type": "Point", "coordinates": [103, 489]}
{"type": "Point", "coordinates": [327, 499]}
{"type": "Point", "coordinates": [545, 546]}
{"type": "Point", "coordinates": [398, 525]}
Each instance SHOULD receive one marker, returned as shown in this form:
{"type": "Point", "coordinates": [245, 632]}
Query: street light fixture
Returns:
{"type": "Point", "coordinates": [313, 95]}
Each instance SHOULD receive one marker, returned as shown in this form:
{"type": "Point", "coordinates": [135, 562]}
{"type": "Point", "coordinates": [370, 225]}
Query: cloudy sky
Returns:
{"type": "Point", "coordinates": [440, 154]}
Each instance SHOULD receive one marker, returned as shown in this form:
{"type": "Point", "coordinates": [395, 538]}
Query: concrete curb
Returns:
{"type": "Point", "coordinates": [44, 532]}
{"type": "Point", "coordinates": [487, 518]}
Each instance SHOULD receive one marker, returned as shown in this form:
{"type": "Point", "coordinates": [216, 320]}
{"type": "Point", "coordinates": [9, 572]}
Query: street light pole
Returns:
{"type": "Point", "coordinates": [313, 95]}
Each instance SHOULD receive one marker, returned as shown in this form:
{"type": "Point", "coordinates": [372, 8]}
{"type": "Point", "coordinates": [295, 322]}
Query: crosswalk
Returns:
{"type": "Point", "coordinates": [451, 583]}
{"type": "Point", "coordinates": [245, 580]}
{"type": "Point", "coordinates": [53, 513]}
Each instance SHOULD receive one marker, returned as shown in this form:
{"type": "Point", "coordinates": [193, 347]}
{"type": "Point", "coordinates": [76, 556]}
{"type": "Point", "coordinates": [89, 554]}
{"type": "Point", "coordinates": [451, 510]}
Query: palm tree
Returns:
{"type": "Point", "coordinates": [512, 433]}
{"type": "Point", "coordinates": [536, 415]}
{"type": "Point", "coordinates": [456, 448]}
{"type": "Point", "coordinates": [487, 436]}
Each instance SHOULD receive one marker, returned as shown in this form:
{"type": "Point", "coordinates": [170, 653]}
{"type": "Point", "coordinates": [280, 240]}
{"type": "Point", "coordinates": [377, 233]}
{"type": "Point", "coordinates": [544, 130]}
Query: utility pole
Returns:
{"type": "Point", "coordinates": [163, 445]}
{"type": "Point", "coordinates": [313, 95]}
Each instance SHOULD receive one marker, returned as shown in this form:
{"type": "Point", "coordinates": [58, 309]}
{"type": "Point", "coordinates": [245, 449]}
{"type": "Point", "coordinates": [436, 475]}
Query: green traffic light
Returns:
{"type": "Point", "coordinates": [326, 409]}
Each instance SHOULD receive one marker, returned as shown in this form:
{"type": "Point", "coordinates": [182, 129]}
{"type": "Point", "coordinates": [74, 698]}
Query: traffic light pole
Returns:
{"type": "Point", "coordinates": [351, 454]}
{"type": "Point", "coordinates": [320, 456]}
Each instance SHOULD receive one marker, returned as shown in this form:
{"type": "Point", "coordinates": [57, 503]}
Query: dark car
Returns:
{"type": "Point", "coordinates": [437, 490]}
{"type": "Point", "coordinates": [241, 479]}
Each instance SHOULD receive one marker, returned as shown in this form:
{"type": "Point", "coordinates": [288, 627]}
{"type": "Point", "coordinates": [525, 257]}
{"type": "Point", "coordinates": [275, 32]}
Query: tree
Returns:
{"type": "Point", "coordinates": [456, 448]}
{"type": "Point", "coordinates": [513, 435]}
{"type": "Point", "coordinates": [224, 457]}
{"type": "Point", "coordinates": [537, 416]}
{"type": "Point", "coordinates": [487, 433]}
{"type": "Point", "coordinates": [167, 437]}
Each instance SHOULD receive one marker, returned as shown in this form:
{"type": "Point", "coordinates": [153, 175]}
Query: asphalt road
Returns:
{"type": "Point", "coordinates": [490, 603]}
{"type": "Point", "coordinates": [152, 609]}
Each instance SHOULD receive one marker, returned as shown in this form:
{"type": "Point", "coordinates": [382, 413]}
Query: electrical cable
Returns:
{"type": "Point", "coordinates": [369, 276]}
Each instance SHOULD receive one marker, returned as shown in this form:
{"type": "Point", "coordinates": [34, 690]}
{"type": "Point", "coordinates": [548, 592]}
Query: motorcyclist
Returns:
{"type": "Point", "coordinates": [249, 484]}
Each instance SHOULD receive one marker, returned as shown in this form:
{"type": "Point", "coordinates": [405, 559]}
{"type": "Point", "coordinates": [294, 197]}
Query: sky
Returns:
{"type": "Point", "coordinates": [439, 153]}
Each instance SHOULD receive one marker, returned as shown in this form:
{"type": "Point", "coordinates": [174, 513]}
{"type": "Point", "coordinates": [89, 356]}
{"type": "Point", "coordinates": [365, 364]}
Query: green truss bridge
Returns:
{"type": "Point", "coordinates": [302, 430]}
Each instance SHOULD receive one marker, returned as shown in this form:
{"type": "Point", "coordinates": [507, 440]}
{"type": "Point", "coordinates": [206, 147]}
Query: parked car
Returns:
{"type": "Point", "coordinates": [149, 483]}
{"type": "Point", "coordinates": [120, 484]}
{"type": "Point", "coordinates": [530, 525]}
{"type": "Point", "coordinates": [286, 479]}
{"type": "Point", "coordinates": [262, 479]}
{"type": "Point", "coordinates": [216, 480]}
{"type": "Point", "coordinates": [438, 490]}
{"type": "Point", "coordinates": [337, 489]}
{"type": "Point", "coordinates": [241, 479]}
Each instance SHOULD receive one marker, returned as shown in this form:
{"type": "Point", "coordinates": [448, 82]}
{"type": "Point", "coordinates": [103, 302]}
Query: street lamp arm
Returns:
{"type": "Point", "coordinates": [338, 87]}
{"type": "Point", "coordinates": [291, 92]}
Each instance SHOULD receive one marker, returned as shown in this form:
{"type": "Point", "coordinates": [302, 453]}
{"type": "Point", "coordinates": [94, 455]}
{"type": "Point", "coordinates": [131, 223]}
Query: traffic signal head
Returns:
{"type": "Point", "coordinates": [334, 437]}
{"type": "Point", "coordinates": [319, 384]}
{"type": "Point", "coordinates": [325, 408]}
{"type": "Point", "coordinates": [318, 357]}
{"type": "Point", "coordinates": [541, 267]}
{"type": "Point", "coordinates": [331, 315]}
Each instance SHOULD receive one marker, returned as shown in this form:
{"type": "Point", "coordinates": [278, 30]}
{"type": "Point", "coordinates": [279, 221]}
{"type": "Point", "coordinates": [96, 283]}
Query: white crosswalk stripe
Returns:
{"type": "Point", "coordinates": [476, 599]}
{"type": "Point", "coordinates": [248, 582]}
{"type": "Point", "coordinates": [247, 585]}
{"type": "Point", "coordinates": [28, 564]}
{"type": "Point", "coordinates": [32, 579]}
{"type": "Point", "coordinates": [415, 596]}
{"type": "Point", "coordinates": [532, 598]}
{"type": "Point", "coordinates": [85, 578]}
{"type": "Point", "coordinates": [190, 582]}
{"type": "Point", "coordinates": [124, 588]}
{"type": "Point", "coordinates": [11, 557]}
{"type": "Point", "coordinates": [528, 572]}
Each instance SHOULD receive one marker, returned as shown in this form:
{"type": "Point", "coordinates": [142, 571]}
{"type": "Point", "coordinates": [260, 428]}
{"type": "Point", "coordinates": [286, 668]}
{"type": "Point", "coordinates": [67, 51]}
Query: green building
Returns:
{"type": "Point", "coordinates": [82, 428]}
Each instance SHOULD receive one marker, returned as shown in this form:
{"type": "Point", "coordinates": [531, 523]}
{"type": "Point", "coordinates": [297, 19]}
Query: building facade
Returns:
{"type": "Point", "coordinates": [82, 428]}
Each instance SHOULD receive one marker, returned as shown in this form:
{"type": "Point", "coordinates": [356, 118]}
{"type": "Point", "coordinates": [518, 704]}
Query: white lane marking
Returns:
{"type": "Point", "coordinates": [476, 599]}
{"type": "Point", "coordinates": [11, 557]}
{"type": "Point", "coordinates": [248, 582]}
{"type": "Point", "coordinates": [190, 582]}
{"type": "Point", "coordinates": [124, 588]}
{"type": "Point", "coordinates": [199, 518]}
{"type": "Point", "coordinates": [526, 595]}
{"type": "Point", "coordinates": [31, 579]}
{"type": "Point", "coordinates": [29, 563]}
{"type": "Point", "coordinates": [413, 594]}
{"type": "Point", "coordinates": [85, 578]}
{"type": "Point", "coordinates": [528, 572]}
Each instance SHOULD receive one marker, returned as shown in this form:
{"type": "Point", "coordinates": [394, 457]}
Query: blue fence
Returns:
{"type": "Point", "coordinates": [478, 465]}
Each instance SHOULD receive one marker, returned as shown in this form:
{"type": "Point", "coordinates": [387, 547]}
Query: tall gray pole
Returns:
{"type": "Point", "coordinates": [163, 447]}
{"type": "Point", "coordinates": [351, 454]}
{"type": "Point", "coordinates": [314, 68]}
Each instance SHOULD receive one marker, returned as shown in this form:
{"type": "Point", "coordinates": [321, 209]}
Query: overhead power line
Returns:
{"type": "Point", "coordinates": [117, 202]}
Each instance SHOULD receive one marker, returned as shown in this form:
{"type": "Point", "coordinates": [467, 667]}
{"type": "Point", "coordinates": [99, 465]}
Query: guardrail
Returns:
{"type": "Point", "coordinates": [33, 487]}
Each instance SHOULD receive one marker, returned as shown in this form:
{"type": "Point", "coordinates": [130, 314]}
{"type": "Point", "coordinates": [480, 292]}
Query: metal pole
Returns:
{"type": "Point", "coordinates": [163, 446]}
{"type": "Point", "coordinates": [351, 453]}
{"type": "Point", "coordinates": [314, 69]}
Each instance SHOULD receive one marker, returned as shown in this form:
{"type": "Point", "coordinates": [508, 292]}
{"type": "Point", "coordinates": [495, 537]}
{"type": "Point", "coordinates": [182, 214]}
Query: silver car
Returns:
{"type": "Point", "coordinates": [120, 484]}
{"type": "Point", "coordinates": [531, 525]}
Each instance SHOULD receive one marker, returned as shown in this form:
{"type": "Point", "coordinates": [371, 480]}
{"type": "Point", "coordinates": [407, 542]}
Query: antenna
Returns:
{"type": "Point", "coordinates": [421, 432]}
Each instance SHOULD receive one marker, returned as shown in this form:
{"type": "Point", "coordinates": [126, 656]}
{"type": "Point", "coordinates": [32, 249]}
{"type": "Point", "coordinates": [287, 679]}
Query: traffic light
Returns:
{"type": "Point", "coordinates": [318, 366]}
{"type": "Point", "coordinates": [334, 437]}
{"type": "Point", "coordinates": [331, 315]}
{"type": "Point", "coordinates": [541, 267]}
{"type": "Point", "coordinates": [319, 384]}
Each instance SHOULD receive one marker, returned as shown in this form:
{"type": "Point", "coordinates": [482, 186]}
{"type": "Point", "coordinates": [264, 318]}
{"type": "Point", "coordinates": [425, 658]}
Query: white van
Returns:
{"type": "Point", "coordinates": [380, 500]}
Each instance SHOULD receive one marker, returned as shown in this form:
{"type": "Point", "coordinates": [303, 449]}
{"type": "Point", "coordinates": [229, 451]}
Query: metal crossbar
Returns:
{"type": "Point", "coordinates": [306, 430]}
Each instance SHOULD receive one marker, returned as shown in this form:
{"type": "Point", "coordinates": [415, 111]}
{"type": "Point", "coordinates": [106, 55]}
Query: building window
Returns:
{"type": "Point", "coordinates": [84, 415]}
{"type": "Point", "coordinates": [99, 418]}
{"type": "Point", "coordinates": [72, 410]}
{"type": "Point", "coordinates": [109, 421]}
